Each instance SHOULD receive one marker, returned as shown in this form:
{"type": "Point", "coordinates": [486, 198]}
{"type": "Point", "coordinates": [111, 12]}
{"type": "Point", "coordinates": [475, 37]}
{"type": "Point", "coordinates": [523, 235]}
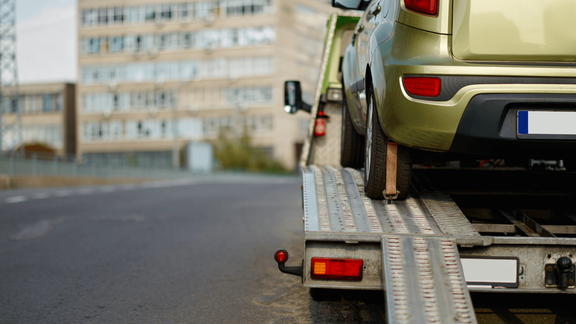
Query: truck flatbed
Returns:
{"type": "Point", "coordinates": [458, 230]}
{"type": "Point", "coordinates": [427, 247]}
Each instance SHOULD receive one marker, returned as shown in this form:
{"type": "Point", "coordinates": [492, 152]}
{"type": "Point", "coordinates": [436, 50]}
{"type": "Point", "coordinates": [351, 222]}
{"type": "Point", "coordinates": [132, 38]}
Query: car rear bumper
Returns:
{"type": "Point", "coordinates": [488, 127]}
{"type": "Point", "coordinates": [434, 124]}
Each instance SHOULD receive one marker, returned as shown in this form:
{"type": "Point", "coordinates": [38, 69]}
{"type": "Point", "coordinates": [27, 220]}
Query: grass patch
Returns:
{"type": "Point", "coordinates": [240, 155]}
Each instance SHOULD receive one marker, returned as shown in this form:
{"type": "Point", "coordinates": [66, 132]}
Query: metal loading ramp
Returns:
{"type": "Point", "coordinates": [421, 267]}
{"type": "Point", "coordinates": [424, 280]}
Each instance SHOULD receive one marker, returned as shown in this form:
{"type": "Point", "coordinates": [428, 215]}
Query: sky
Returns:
{"type": "Point", "coordinates": [46, 40]}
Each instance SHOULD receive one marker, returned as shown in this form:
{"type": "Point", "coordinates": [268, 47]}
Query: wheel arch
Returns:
{"type": "Point", "coordinates": [376, 81]}
{"type": "Point", "coordinates": [349, 76]}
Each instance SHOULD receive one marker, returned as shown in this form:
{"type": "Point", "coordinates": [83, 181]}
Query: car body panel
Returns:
{"type": "Point", "coordinates": [355, 99]}
{"type": "Point", "coordinates": [377, 29]}
{"type": "Point", "coordinates": [440, 23]}
{"type": "Point", "coordinates": [398, 48]}
{"type": "Point", "coordinates": [518, 30]}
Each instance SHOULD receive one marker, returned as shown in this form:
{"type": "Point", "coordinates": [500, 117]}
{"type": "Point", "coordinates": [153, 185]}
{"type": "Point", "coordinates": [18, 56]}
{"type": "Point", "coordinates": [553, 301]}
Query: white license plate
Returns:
{"type": "Point", "coordinates": [489, 273]}
{"type": "Point", "coordinates": [546, 122]}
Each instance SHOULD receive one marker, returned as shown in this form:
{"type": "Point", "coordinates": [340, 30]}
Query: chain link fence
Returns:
{"type": "Point", "coordinates": [67, 165]}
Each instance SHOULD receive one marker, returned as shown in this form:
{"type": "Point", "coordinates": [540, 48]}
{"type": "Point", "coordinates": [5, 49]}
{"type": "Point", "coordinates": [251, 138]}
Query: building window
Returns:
{"type": "Point", "coordinates": [48, 134]}
{"type": "Point", "coordinates": [119, 15]}
{"type": "Point", "coordinates": [102, 130]}
{"type": "Point", "coordinates": [117, 44]}
{"type": "Point", "coordinates": [94, 45]}
{"type": "Point", "coordinates": [182, 11]}
{"type": "Point", "coordinates": [100, 102]}
{"type": "Point", "coordinates": [47, 103]}
{"type": "Point", "coordinates": [150, 13]}
{"type": "Point", "coordinates": [103, 16]}
{"type": "Point", "coordinates": [211, 38]}
{"type": "Point", "coordinates": [32, 103]}
{"type": "Point", "coordinates": [167, 13]}
{"type": "Point", "coordinates": [254, 124]}
{"type": "Point", "coordinates": [184, 70]}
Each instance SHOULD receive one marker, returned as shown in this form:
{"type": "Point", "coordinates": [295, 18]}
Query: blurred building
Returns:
{"type": "Point", "coordinates": [48, 116]}
{"type": "Point", "coordinates": [156, 74]}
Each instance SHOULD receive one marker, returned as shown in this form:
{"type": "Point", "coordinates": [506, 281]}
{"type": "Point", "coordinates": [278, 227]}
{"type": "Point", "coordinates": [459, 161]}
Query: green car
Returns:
{"type": "Point", "coordinates": [457, 79]}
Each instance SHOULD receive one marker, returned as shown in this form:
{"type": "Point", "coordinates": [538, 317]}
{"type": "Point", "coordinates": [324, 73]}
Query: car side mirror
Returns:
{"type": "Point", "coordinates": [293, 98]}
{"type": "Point", "coordinates": [351, 4]}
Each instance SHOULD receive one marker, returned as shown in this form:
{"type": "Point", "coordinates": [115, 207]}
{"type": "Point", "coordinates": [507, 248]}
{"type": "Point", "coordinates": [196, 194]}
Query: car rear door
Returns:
{"type": "Point", "coordinates": [514, 30]}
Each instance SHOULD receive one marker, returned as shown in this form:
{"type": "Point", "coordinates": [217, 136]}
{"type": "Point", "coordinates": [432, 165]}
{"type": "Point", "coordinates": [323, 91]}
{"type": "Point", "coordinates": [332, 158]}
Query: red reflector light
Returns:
{"type": "Point", "coordinates": [281, 256]}
{"type": "Point", "coordinates": [337, 269]}
{"type": "Point", "coordinates": [424, 6]}
{"type": "Point", "coordinates": [425, 87]}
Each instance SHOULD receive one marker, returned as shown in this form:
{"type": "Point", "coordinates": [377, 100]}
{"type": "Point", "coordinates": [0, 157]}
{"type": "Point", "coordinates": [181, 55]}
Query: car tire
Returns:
{"type": "Point", "coordinates": [352, 143]}
{"type": "Point", "coordinates": [376, 147]}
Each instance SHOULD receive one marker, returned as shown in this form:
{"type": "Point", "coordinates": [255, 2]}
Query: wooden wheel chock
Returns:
{"type": "Point", "coordinates": [391, 191]}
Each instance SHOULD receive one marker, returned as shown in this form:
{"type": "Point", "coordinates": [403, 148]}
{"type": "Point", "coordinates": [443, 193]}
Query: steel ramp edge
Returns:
{"type": "Point", "coordinates": [424, 280]}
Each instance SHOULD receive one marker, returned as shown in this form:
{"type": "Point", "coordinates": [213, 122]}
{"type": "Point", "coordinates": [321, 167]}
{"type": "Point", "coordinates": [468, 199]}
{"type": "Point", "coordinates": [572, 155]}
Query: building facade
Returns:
{"type": "Point", "coordinates": [157, 74]}
{"type": "Point", "coordinates": [48, 116]}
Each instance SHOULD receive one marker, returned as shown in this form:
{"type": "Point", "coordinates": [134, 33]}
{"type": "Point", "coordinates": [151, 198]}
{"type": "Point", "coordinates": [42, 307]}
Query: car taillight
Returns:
{"type": "Point", "coordinates": [424, 6]}
{"type": "Point", "coordinates": [337, 269]}
{"type": "Point", "coordinates": [422, 86]}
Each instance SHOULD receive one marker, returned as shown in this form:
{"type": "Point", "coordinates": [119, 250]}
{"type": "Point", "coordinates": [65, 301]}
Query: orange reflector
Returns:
{"type": "Point", "coordinates": [320, 268]}
{"type": "Point", "coordinates": [337, 269]}
{"type": "Point", "coordinates": [422, 86]}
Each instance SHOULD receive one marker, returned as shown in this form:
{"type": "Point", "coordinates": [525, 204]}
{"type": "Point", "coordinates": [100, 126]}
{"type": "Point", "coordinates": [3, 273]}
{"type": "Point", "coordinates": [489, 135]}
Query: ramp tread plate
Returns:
{"type": "Point", "coordinates": [309, 201]}
{"type": "Point", "coordinates": [342, 206]}
{"type": "Point", "coordinates": [443, 209]}
{"type": "Point", "coordinates": [424, 280]}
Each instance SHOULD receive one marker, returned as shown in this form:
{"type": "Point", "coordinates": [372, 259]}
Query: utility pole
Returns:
{"type": "Point", "coordinates": [175, 145]}
{"type": "Point", "coordinates": [10, 107]}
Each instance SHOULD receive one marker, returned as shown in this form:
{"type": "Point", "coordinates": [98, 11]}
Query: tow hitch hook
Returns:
{"type": "Point", "coordinates": [564, 266]}
{"type": "Point", "coordinates": [560, 275]}
{"type": "Point", "coordinates": [281, 256]}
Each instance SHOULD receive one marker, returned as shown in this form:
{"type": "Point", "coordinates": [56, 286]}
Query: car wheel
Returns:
{"type": "Point", "coordinates": [352, 143]}
{"type": "Point", "coordinates": [375, 159]}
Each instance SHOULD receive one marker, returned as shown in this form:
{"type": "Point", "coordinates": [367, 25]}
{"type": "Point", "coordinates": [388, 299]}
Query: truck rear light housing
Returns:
{"type": "Point", "coordinates": [429, 7]}
{"type": "Point", "coordinates": [334, 95]}
{"type": "Point", "coordinates": [423, 86]}
{"type": "Point", "coordinates": [337, 269]}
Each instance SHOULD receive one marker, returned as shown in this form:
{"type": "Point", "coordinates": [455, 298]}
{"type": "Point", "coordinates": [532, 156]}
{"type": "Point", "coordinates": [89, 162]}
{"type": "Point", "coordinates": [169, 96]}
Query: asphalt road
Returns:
{"type": "Point", "coordinates": [188, 251]}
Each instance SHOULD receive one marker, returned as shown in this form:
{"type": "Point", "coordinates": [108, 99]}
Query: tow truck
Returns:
{"type": "Point", "coordinates": [458, 231]}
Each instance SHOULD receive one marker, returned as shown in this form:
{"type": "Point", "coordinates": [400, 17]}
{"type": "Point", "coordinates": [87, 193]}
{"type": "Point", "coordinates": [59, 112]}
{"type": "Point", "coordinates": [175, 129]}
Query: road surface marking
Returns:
{"type": "Point", "coordinates": [169, 183]}
{"type": "Point", "coordinates": [85, 191]}
{"type": "Point", "coordinates": [41, 195]}
{"type": "Point", "coordinates": [63, 193]}
{"type": "Point", "coordinates": [16, 199]}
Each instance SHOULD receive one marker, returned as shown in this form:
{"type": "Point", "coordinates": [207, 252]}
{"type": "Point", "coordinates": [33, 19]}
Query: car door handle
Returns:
{"type": "Point", "coordinates": [376, 11]}
{"type": "Point", "coordinates": [360, 29]}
